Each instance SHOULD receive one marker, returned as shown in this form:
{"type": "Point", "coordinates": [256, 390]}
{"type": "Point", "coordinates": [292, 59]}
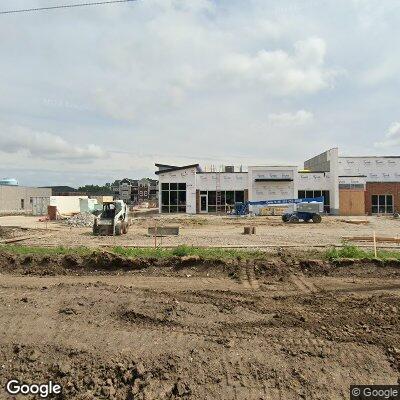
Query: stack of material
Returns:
{"type": "Point", "coordinates": [85, 219]}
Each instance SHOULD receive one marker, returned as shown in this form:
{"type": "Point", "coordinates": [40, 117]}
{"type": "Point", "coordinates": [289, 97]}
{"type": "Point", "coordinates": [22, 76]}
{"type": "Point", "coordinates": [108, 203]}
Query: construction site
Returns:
{"type": "Point", "coordinates": [199, 200]}
{"type": "Point", "coordinates": [227, 307]}
{"type": "Point", "coordinates": [270, 283]}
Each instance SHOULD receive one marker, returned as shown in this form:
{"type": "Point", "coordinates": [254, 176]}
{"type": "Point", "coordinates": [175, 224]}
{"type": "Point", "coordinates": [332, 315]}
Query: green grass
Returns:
{"type": "Point", "coordinates": [347, 251]}
{"type": "Point", "coordinates": [181, 251]}
{"type": "Point", "coordinates": [44, 251]}
{"type": "Point", "coordinates": [351, 251]}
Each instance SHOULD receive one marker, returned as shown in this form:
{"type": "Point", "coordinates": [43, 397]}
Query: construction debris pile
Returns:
{"type": "Point", "coordinates": [81, 220]}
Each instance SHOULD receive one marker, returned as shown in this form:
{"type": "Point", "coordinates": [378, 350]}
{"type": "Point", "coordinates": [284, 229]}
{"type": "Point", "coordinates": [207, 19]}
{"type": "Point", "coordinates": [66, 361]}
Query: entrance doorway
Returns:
{"type": "Point", "coordinates": [351, 202]}
{"type": "Point", "coordinates": [203, 203]}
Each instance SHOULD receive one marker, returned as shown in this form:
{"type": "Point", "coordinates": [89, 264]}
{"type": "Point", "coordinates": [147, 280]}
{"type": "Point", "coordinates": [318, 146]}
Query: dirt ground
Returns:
{"type": "Point", "coordinates": [208, 231]}
{"type": "Point", "coordinates": [107, 328]}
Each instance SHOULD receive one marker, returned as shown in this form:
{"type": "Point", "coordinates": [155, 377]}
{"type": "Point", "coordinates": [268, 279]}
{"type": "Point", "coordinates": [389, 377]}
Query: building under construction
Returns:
{"type": "Point", "coordinates": [349, 185]}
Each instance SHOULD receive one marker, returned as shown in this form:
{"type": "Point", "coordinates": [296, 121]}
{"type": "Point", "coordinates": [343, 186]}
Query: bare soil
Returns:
{"type": "Point", "coordinates": [285, 328]}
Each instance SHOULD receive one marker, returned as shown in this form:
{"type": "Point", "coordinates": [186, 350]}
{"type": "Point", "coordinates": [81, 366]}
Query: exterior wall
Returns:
{"type": "Point", "coordinates": [11, 196]}
{"type": "Point", "coordinates": [228, 181]}
{"type": "Point", "coordinates": [39, 205]}
{"type": "Point", "coordinates": [314, 181]}
{"type": "Point", "coordinates": [328, 162]}
{"type": "Point", "coordinates": [67, 204]}
{"type": "Point", "coordinates": [378, 188]}
{"type": "Point", "coordinates": [352, 182]}
{"type": "Point", "coordinates": [321, 162]}
{"type": "Point", "coordinates": [376, 169]}
{"type": "Point", "coordinates": [271, 190]}
{"type": "Point", "coordinates": [187, 176]}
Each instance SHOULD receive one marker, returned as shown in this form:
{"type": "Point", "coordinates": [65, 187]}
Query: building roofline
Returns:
{"type": "Point", "coordinates": [369, 157]}
{"type": "Point", "coordinates": [165, 165]}
{"type": "Point", "coordinates": [171, 169]}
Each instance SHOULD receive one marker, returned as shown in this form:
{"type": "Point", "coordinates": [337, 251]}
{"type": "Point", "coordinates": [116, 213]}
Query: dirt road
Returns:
{"type": "Point", "coordinates": [308, 331]}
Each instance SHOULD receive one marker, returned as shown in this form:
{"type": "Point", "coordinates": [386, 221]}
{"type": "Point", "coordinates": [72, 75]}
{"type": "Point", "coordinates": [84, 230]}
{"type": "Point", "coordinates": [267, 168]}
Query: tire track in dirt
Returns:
{"type": "Point", "coordinates": [301, 282]}
{"type": "Point", "coordinates": [247, 277]}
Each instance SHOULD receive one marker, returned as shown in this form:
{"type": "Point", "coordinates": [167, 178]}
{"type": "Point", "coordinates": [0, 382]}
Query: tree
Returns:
{"type": "Point", "coordinates": [95, 190]}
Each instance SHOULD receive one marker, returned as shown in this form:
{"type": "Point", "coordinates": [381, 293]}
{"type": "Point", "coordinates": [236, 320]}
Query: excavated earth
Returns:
{"type": "Point", "coordinates": [106, 327]}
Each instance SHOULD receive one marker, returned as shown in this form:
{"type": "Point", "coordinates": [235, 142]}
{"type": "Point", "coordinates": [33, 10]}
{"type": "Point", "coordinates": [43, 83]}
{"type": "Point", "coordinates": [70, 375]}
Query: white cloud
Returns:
{"type": "Point", "coordinates": [297, 118]}
{"type": "Point", "coordinates": [152, 76]}
{"type": "Point", "coordinates": [44, 145]}
{"type": "Point", "coordinates": [281, 73]}
{"type": "Point", "coordinates": [392, 137]}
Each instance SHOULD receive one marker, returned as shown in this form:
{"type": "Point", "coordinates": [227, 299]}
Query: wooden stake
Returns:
{"type": "Point", "coordinates": [155, 234]}
{"type": "Point", "coordinates": [375, 245]}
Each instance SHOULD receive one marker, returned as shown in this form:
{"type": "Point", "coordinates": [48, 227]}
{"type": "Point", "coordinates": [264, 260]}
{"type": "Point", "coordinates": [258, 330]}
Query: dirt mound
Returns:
{"type": "Point", "coordinates": [106, 262]}
{"type": "Point", "coordinates": [350, 267]}
{"type": "Point", "coordinates": [103, 262]}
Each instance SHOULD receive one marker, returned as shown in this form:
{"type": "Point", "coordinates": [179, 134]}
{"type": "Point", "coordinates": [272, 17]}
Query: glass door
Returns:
{"type": "Point", "coordinates": [203, 203]}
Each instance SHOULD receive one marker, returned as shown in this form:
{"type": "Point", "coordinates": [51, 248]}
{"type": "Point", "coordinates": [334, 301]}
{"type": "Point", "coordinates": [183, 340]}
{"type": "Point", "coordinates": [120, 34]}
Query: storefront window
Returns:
{"type": "Point", "coordinates": [227, 202]}
{"type": "Point", "coordinates": [382, 204]}
{"type": "Point", "coordinates": [173, 197]}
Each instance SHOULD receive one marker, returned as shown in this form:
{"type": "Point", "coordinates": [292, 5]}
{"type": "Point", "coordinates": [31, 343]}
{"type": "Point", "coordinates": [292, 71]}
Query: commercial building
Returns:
{"type": "Point", "coordinates": [349, 185]}
{"type": "Point", "coordinates": [21, 199]}
{"type": "Point", "coordinates": [188, 189]}
{"type": "Point", "coordinates": [361, 184]}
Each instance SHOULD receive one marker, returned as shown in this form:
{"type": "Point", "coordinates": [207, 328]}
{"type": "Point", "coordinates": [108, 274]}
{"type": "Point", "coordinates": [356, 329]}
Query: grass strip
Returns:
{"type": "Point", "coordinates": [351, 251]}
{"type": "Point", "coordinates": [45, 251]}
{"type": "Point", "coordinates": [182, 251]}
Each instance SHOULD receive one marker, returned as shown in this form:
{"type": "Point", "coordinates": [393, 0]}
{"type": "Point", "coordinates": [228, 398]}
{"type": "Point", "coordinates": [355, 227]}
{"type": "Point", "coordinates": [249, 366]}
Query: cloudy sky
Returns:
{"type": "Point", "coordinates": [88, 95]}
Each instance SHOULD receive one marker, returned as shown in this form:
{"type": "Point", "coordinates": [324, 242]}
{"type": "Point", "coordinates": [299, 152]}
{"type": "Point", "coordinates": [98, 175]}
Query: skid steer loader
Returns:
{"type": "Point", "coordinates": [113, 219]}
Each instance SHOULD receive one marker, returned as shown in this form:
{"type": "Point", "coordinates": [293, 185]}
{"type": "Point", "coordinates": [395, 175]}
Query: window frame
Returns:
{"type": "Point", "coordinates": [173, 200]}
{"type": "Point", "coordinates": [380, 205]}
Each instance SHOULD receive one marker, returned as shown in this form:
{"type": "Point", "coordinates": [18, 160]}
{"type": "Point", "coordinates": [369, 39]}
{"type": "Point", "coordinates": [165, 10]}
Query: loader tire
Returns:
{"type": "Point", "coordinates": [124, 227]}
{"type": "Point", "coordinates": [316, 218]}
{"type": "Point", "coordinates": [118, 229]}
{"type": "Point", "coordinates": [95, 230]}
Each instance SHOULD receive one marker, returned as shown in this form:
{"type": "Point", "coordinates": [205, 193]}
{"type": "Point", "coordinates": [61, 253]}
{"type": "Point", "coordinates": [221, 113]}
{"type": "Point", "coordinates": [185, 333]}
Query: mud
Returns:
{"type": "Point", "coordinates": [285, 328]}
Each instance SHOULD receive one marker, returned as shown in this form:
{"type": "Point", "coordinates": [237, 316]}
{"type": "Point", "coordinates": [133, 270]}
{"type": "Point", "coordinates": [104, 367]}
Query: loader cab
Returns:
{"type": "Point", "coordinates": [108, 211]}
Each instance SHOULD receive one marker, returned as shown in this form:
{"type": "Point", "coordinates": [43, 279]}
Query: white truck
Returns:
{"type": "Point", "coordinates": [113, 219]}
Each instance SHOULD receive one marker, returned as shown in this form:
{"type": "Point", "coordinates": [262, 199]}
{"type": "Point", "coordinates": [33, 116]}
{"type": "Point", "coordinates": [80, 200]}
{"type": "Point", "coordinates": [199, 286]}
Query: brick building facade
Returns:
{"type": "Point", "coordinates": [382, 197]}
